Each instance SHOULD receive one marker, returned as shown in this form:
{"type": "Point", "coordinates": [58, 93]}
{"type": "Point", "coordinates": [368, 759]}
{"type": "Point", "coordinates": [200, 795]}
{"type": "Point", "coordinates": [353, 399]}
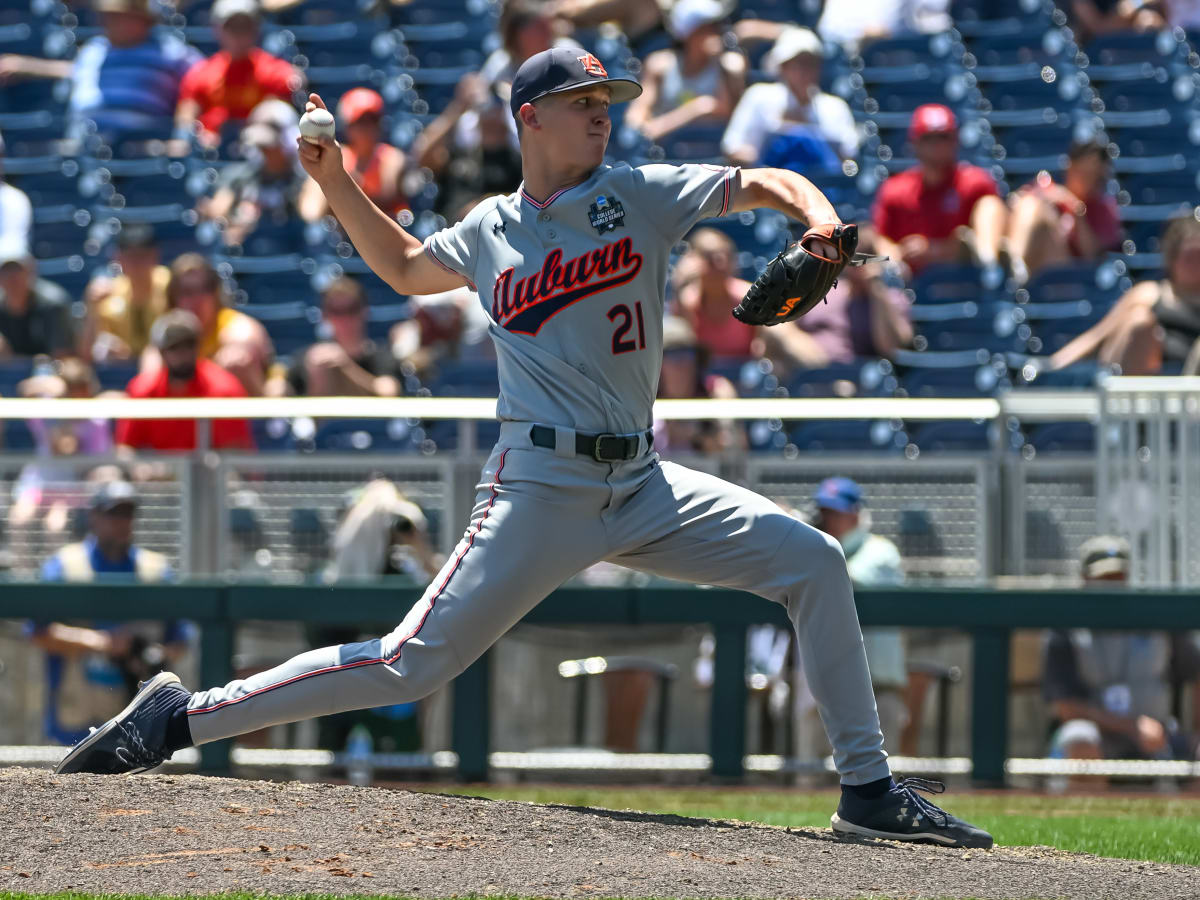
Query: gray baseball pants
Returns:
{"type": "Point", "coordinates": [540, 517]}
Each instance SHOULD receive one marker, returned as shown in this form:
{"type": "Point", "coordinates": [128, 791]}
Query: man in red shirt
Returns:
{"type": "Point", "coordinates": [1077, 219]}
{"type": "Point", "coordinates": [235, 79]}
{"type": "Point", "coordinates": [940, 210]}
{"type": "Point", "coordinates": [183, 373]}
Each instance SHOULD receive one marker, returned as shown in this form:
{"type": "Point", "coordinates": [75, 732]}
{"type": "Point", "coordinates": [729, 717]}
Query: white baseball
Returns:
{"type": "Point", "coordinates": [316, 124]}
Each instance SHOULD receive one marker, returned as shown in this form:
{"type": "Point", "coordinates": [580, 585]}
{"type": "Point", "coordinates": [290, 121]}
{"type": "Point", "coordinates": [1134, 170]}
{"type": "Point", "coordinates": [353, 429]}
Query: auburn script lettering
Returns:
{"type": "Point", "coordinates": [524, 305]}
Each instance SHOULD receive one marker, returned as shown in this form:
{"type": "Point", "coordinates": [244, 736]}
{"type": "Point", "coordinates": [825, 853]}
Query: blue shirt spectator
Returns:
{"type": "Point", "coordinates": [92, 669]}
{"type": "Point", "coordinates": [128, 78]}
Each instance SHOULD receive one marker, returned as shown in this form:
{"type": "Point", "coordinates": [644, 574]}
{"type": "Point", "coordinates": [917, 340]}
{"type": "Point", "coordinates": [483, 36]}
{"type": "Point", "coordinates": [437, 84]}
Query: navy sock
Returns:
{"type": "Point", "coordinates": [871, 789]}
{"type": "Point", "coordinates": [179, 735]}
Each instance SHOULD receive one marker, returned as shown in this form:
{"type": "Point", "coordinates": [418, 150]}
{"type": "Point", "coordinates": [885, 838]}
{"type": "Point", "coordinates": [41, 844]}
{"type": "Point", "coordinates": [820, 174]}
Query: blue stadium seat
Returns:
{"type": "Point", "coordinates": [949, 283]}
{"type": "Point", "coordinates": [896, 52]}
{"type": "Point", "coordinates": [849, 435]}
{"type": "Point", "coordinates": [271, 279]}
{"type": "Point", "coordinates": [695, 143]}
{"type": "Point", "coordinates": [822, 382]}
{"type": "Point", "coordinates": [957, 381]}
{"type": "Point", "coordinates": [372, 435]}
{"type": "Point", "coordinates": [272, 436]}
{"type": "Point", "coordinates": [953, 437]}
{"type": "Point", "coordinates": [1064, 437]}
{"type": "Point", "coordinates": [48, 180]}
{"type": "Point", "coordinates": [1166, 187]}
{"type": "Point", "coordinates": [114, 376]}
{"type": "Point", "coordinates": [291, 325]}
{"type": "Point", "coordinates": [59, 230]}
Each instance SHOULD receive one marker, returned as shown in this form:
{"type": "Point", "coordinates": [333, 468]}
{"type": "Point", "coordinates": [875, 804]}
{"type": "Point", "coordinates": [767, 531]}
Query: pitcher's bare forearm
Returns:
{"type": "Point", "coordinates": [379, 240]}
{"type": "Point", "coordinates": [791, 194]}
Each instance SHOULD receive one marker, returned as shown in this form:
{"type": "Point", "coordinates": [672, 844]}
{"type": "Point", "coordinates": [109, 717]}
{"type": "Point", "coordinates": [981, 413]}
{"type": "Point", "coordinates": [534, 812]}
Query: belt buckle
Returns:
{"type": "Point", "coordinates": [597, 448]}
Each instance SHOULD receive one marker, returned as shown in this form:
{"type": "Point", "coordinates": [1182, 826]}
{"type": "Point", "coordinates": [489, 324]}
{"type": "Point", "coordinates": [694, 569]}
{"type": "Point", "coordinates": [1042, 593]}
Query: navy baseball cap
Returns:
{"type": "Point", "coordinates": [840, 494]}
{"type": "Point", "coordinates": [111, 494]}
{"type": "Point", "coordinates": [562, 69]}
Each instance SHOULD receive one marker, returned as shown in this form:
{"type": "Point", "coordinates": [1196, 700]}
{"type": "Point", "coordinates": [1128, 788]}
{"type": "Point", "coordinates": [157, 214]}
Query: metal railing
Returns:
{"type": "Point", "coordinates": [989, 616]}
{"type": "Point", "coordinates": [962, 517]}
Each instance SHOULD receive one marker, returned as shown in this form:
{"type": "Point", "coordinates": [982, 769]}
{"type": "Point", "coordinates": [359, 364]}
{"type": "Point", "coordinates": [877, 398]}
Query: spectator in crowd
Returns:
{"type": "Point", "coordinates": [35, 315]}
{"type": "Point", "coordinates": [684, 376]}
{"type": "Point", "coordinates": [1108, 692]}
{"type": "Point", "coordinates": [940, 210]}
{"type": "Point", "coordinates": [1053, 223]}
{"type": "Point", "coordinates": [382, 533]}
{"type": "Point", "coordinates": [855, 24]}
{"type": "Point", "coordinates": [862, 316]}
{"type": "Point", "coordinates": [224, 88]}
{"type": "Point", "coordinates": [376, 166]}
{"type": "Point", "coordinates": [790, 123]}
{"type": "Point", "coordinates": [697, 80]}
{"type": "Point", "coordinates": [1154, 323]}
{"type": "Point", "coordinates": [126, 79]}
{"type": "Point", "coordinates": [92, 669]}
{"type": "Point", "coordinates": [526, 27]}
{"type": "Point", "coordinates": [182, 373]}
{"type": "Point", "coordinates": [233, 340]}
{"type": "Point", "coordinates": [872, 561]}
{"type": "Point", "coordinates": [260, 194]}
{"type": "Point", "coordinates": [448, 325]}
{"type": "Point", "coordinates": [1096, 18]}
{"type": "Point", "coordinates": [44, 493]}
{"type": "Point", "coordinates": [122, 308]}
{"type": "Point", "coordinates": [471, 148]}
{"type": "Point", "coordinates": [707, 289]}
{"type": "Point", "coordinates": [641, 21]}
{"type": "Point", "coordinates": [16, 212]}
{"type": "Point", "coordinates": [349, 364]}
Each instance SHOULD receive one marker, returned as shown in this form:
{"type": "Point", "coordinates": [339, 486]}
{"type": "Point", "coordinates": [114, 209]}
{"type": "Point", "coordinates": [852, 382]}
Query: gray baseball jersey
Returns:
{"type": "Point", "coordinates": [574, 288]}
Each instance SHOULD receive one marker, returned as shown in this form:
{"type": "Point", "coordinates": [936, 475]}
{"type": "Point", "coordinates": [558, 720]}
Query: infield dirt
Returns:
{"type": "Point", "coordinates": [189, 834]}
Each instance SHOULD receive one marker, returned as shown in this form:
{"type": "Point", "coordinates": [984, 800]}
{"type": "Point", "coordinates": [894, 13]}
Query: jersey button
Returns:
{"type": "Point", "coordinates": [544, 217]}
{"type": "Point", "coordinates": [551, 233]}
{"type": "Point", "coordinates": [582, 369]}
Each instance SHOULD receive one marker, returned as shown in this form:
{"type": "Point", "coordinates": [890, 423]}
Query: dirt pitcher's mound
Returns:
{"type": "Point", "coordinates": [187, 834]}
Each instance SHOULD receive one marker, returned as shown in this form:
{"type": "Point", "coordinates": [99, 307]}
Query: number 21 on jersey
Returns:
{"type": "Point", "coordinates": [625, 320]}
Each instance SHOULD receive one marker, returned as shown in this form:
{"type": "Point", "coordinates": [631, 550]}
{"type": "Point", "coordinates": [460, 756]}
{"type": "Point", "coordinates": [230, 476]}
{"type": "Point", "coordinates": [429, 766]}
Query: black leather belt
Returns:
{"type": "Point", "coordinates": [605, 448]}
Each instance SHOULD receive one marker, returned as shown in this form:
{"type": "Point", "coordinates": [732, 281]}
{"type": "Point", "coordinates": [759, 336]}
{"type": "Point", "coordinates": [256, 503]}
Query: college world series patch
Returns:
{"type": "Point", "coordinates": [606, 214]}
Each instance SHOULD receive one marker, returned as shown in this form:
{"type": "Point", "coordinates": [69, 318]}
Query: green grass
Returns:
{"type": "Point", "coordinates": [1159, 829]}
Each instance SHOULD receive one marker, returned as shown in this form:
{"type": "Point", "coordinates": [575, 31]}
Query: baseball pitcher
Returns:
{"type": "Point", "coordinates": [571, 270]}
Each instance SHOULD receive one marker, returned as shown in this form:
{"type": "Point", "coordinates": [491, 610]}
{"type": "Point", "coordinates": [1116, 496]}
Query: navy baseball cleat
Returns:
{"type": "Point", "coordinates": [901, 814]}
{"type": "Point", "coordinates": [135, 740]}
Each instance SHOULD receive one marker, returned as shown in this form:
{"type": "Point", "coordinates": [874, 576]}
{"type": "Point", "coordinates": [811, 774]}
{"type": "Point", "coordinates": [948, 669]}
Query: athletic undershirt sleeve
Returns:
{"type": "Point", "coordinates": [675, 198]}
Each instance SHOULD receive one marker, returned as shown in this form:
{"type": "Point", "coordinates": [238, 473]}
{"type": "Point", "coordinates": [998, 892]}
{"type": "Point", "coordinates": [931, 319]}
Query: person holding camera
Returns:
{"type": "Point", "coordinates": [93, 669]}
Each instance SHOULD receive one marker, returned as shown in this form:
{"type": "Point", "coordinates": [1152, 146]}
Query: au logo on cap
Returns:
{"type": "Point", "coordinates": [593, 66]}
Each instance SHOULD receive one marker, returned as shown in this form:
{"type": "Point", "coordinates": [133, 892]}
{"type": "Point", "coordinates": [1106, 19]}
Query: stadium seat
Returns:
{"type": "Point", "coordinates": [291, 325]}
{"type": "Point", "coordinates": [48, 180]}
{"type": "Point", "coordinates": [271, 279]}
{"type": "Point", "coordinates": [1064, 437]}
{"type": "Point", "coordinates": [59, 230]}
{"type": "Point", "coordinates": [824, 382]}
{"type": "Point", "coordinates": [950, 283]}
{"type": "Point", "coordinates": [849, 435]}
{"type": "Point", "coordinates": [953, 437]}
{"type": "Point", "coordinates": [956, 381]}
{"type": "Point", "coordinates": [364, 435]}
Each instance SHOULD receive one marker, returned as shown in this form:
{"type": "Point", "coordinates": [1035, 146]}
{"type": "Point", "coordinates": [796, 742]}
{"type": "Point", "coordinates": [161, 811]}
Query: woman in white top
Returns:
{"type": "Point", "coordinates": [792, 123]}
{"type": "Point", "coordinates": [697, 80]}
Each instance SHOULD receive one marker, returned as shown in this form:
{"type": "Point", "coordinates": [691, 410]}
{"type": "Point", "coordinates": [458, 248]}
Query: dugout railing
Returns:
{"type": "Point", "coordinates": [988, 616]}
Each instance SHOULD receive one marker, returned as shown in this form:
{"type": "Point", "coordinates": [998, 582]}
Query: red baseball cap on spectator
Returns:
{"type": "Point", "coordinates": [357, 103]}
{"type": "Point", "coordinates": [932, 118]}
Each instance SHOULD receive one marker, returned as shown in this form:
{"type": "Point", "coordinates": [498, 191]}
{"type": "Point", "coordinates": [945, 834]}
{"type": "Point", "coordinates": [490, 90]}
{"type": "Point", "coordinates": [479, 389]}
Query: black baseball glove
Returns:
{"type": "Point", "coordinates": [800, 276]}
